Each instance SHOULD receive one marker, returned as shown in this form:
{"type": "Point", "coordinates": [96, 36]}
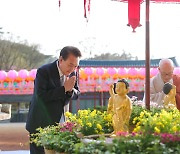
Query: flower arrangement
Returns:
{"type": "Point", "coordinates": [156, 130]}
{"type": "Point", "coordinates": [60, 138]}
{"type": "Point", "coordinates": [136, 110]}
{"type": "Point", "coordinates": [91, 122]}
{"type": "Point", "coordinates": [162, 122]}
{"type": "Point", "coordinates": [45, 137]}
{"type": "Point", "coordinates": [133, 143]}
{"type": "Point", "coordinates": [144, 143]}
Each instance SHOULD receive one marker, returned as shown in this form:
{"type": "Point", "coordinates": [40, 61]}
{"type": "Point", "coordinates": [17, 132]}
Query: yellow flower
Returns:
{"type": "Point", "coordinates": [174, 129]}
{"type": "Point", "coordinates": [141, 114]}
{"type": "Point", "coordinates": [80, 122]}
{"type": "Point", "coordinates": [108, 117]}
{"type": "Point", "coordinates": [73, 118]}
{"type": "Point", "coordinates": [159, 124]}
{"type": "Point", "coordinates": [85, 112]}
{"type": "Point", "coordinates": [82, 113]}
{"type": "Point", "coordinates": [98, 112]}
{"type": "Point", "coordinates": [157, 130]}
{"type": "Point", "coordinates": [68, 114]}
{"type": "Point", "coordinates": [135, 118]}
{"type": "Point", "coordinates": [93, 113]}
{"type": "Point", "coordinates": [137, 129]}
{"type": "Point", "coordinates": [156, 114]}
{"type": "Point", "coordinates": [99, 126]}
{"type": "Point", "coordinates": [89, 124]}
{"type": "Point", "coordinates": [134, 122]}
{"type": "Point", "coordinates": [138, 123]}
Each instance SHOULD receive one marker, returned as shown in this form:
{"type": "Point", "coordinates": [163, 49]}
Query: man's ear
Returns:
{"type": "Point", "coordinates": [60, 58]}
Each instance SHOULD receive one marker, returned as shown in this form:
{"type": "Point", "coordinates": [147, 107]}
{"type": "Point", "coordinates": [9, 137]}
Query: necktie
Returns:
{"type": "Point", "coordinates": [62, 120]}
{"type": "Point", "coordinates": [62, 80]}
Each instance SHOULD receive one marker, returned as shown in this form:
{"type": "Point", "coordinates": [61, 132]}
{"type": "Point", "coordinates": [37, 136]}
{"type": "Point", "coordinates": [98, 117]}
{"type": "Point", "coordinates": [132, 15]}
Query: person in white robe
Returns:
{"type": "Point", "coordinates": [157, 82]}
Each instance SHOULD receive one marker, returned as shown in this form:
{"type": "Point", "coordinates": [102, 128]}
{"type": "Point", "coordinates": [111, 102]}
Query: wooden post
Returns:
{"type": "Point", "coordinates": [147, 86]}
{"type": "Point", "coordinates": [94, 97]}
{"type": "Point", "coordinates": [101, 103]}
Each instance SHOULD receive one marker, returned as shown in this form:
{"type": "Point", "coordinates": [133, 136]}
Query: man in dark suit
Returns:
{"type": "Point", "coordinates": [54, 86]}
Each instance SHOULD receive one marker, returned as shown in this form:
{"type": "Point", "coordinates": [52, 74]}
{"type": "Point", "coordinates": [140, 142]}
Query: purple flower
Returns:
{"type": "Point", "coordinates": [133, 134]}
{"type": "Point", "coordinates": [165, 137]}
{"type": "Point", "coordinates": [68, 126]}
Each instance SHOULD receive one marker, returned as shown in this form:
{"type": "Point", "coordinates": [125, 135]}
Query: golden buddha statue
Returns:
{"type": "Point", "coordinates": [169, 100]}
{"type": "Point", "coordinates": [120, 106]}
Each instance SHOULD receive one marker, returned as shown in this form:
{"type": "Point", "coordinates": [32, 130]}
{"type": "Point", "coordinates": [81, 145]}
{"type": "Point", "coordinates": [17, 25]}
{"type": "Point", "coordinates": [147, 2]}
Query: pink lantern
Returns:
{"type": "Point", "coordinates": [132, 72]}
{"type": "Point", "coordinates": [99, 71]}
{"type": "Point", "coordinates": [3, 75]}
{"type": "Point", "coordinates": [32, 73]}
{"type": "Point", "coordinates": [111, 71]}
{"type": "Point", "coordinates": [154, 71]}
{"type": "Point", "coordinates": [12, 74]}
{"type": "Point", "coordinates": [23, 74]}
{"type": "Point", "coordinates": [142, 72]}
{"type": "Point", "coordinates": [88, 70]}
{"type": "Point", "coordinates": [177, 70]}
{"type": "Point", "coordinates": [122, 71]}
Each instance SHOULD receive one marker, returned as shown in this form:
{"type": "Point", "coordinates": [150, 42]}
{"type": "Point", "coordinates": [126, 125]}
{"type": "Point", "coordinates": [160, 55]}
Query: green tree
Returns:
{"type": "Point", "coordinates": [20, 56]}
{"type": "Point", "coordinates": [1, 32]}
{"type": "Point", "coordinates": [114, 56]}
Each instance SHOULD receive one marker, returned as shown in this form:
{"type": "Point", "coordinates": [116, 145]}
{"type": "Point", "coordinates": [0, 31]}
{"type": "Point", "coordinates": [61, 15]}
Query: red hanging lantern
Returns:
{"type": "Point", "coordinates": [134, 14]}
{"type": "Point", "coordinates": [59, 3]}
{"type": "Point", "coordinates": [87, 8]}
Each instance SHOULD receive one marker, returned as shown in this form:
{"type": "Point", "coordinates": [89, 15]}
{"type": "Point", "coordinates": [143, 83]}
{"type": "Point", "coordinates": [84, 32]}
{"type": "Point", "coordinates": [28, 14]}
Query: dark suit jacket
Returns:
{"type": "Point", "coordinates": [49, 98]}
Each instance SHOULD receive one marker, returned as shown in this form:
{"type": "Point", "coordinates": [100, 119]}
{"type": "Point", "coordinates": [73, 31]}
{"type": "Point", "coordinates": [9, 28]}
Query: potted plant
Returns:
{"type": "Point", "coordinates": [91, 122]}
{"type": "Point", "coordinates": [45, 137]}
{"type": "Point", "coordinates": [56, 139]}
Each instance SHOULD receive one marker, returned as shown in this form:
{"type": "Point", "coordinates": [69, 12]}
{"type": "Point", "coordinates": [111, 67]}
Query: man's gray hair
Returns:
{"type": "Point", "coordinates": [166, 61]}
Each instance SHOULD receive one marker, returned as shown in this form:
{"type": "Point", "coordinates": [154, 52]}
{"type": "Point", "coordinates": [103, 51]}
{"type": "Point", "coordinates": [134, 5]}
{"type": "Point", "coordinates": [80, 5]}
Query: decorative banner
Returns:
{"type": "Point", "coordinates": [134, 10]}
{"type": "Point", "coordinates": [91, 79]}
{"type": "Point", "coordinates": [59, 4]}
{"type": "Point", "coordinates": [134, 14]}
{"type": "Point", "coordinates": [87, 4]}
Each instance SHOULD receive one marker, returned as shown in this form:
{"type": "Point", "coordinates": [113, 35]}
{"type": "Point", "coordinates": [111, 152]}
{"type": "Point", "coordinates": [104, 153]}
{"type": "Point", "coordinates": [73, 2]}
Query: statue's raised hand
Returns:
{"type": "Point", "coordinates": [111, 90]}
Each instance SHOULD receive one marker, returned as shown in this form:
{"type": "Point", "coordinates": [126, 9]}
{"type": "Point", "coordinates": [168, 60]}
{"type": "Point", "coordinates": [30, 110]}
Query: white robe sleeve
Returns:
{"type": "Point", "coordinates": [156, 93]}
{"type": "Point", "coordinates": [156, 97]}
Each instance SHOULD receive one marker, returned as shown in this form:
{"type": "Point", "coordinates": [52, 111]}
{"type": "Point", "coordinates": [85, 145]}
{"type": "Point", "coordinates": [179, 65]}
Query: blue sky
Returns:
{"type": "Point", "coordinates": [41, 22]}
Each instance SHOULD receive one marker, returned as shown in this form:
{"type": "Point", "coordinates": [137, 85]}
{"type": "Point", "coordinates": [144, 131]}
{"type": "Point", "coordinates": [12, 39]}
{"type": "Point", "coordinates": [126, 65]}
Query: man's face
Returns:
{"type": "Point", "coordinates": [69, 65]}
{"type": "Point", "coordinates": [121, 88]}
{"type": "Point", "coordinates": [166, 72]}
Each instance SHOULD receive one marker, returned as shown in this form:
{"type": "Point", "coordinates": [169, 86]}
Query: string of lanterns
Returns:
{"type": "Point", "coordinates": [90, 79]}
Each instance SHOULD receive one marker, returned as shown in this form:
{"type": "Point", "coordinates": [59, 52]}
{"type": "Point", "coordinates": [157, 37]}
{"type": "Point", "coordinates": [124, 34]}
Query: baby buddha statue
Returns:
{"type": "Point", "coordinates": [120, 106]}
{"type": "Point", "coordinates": [169, 100]}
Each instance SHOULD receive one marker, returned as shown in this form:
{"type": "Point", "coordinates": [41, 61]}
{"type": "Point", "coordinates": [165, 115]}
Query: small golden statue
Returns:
{"type": "Point", "coordinates": [169, 99]}
{"type": "Point", "coordinates": [120, 106]}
